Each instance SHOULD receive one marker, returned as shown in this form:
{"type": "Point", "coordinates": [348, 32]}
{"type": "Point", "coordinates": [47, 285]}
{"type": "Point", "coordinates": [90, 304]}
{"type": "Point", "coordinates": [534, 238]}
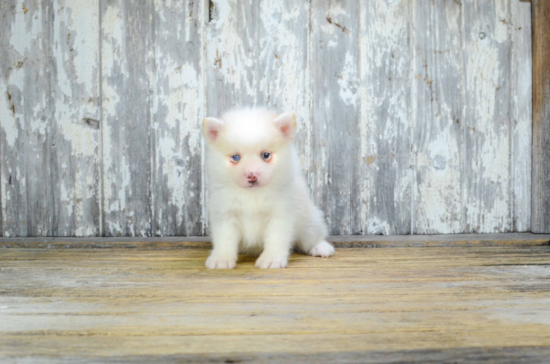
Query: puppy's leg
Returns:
{"type": "Point", "coordinates": [277, 243]}
{"type": "Point", "coordinates": [225, 238]}
{"type": "Point", "coordinates": [311, 237]}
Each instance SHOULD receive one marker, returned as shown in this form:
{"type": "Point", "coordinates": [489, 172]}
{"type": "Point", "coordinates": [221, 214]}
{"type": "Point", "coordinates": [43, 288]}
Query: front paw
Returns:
{"type": "Point", "coordinates": [323, 249]}
{"type": "Point", "coordinates": [270, 261]}
{"type": "Point", "coordinates": [220, 262]}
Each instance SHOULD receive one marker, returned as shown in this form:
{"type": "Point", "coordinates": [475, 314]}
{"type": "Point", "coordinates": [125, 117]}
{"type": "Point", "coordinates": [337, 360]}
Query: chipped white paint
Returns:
{"type": "Point", "coordinates": [413, 116]}
{"type": "Point", "coordinates": [348, 81]}
{"type": "Point", "coordinates": [521, 86]}
{"type": "Point", "coordinates": [75, 87]}
{"type": "Point", "coordinates": [487, 195]}
{"type": "Point", "coordinates": [386, 119]}
{"type": "Point", "coordinates": [177, 112]}
{"type": "Point", "coordinates": [438, 102]}
{"type": "Point", "coordinates": [25, 165]}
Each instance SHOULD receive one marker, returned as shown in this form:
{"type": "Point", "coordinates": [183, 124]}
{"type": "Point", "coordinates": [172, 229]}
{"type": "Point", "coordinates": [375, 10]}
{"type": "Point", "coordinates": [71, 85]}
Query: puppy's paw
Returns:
{"type": "Point", "coordinates": [220, 262]}
{"type": "Point", "coordinates": [323, 249]}
{"type": "Point", "coordinates": [270, 262]}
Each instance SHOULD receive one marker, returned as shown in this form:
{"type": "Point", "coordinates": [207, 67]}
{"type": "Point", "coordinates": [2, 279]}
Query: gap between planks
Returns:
{"type": "Point", "coordinates": [348, 241]}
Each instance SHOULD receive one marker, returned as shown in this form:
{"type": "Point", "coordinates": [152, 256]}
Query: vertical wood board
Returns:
{"type": "Point", "coordinates": [487, 130]}
{"type": "Point", "coordinates": [540, 221]}
{"type": "Point", "coordinates": [127, 49]}
{"type": "Point", "coordinates": [177, 112]}
{"type": "Point", "coordinates": [385, 164]}
{"type": "Point", "coordinates": [75, 124]}
{"type": "Point", "coordinates": [335, 110]}
{"type": "Point", "coordinates": [438, 117]}
{"type": "Point", "coordinates": [521, 114]}
{"type": "Point", "coordinates": [26, 119]}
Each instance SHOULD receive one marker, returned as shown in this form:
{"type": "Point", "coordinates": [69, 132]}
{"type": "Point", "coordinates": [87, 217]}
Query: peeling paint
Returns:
{"type": "Point", "coordinates": [412, 117]}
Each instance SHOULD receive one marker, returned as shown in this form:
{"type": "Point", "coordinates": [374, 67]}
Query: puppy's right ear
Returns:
{"type": "Point", "coordinates": [211, 129]}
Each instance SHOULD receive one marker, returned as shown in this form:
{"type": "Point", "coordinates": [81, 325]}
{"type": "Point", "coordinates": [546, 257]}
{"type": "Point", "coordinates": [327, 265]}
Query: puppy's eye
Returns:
{"type": "Point", "coordinates": [235, 158]}
{"type": "Point", "coordinates": [266, 156]}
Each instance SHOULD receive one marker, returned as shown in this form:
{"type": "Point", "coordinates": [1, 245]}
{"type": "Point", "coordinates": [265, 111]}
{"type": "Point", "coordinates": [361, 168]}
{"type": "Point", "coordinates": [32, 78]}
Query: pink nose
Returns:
{"type": "Point", "coordinates": [252, 177]}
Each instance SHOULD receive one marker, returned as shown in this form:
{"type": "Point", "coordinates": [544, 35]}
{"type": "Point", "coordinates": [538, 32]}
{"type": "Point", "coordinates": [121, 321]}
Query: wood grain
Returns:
{"type": "Point", "coordinates": [27, 135]}
{"type": "Point", "coordinates": [522, 116]}
{"type": "Point", "coordinates": [385, 164]}
{"type": "Point", "coordinates": [151, 305]}
{"type": "Point", "coordinates": [438, 88]}
{"type": "Point", "coordinates": [178, 87]}
{"type": "Point", "coordinates": [126, 30]}
{"type": "Point", "coordinates": [487, 129]}
{"type": "Point", "coordinates": [414, 117]}
{"type": "Point", "coordinates": [540, 221]}
{"type": "Point", "coordinates": [75, 162]}
{"type": "Point", "coordinates": [335, 111]}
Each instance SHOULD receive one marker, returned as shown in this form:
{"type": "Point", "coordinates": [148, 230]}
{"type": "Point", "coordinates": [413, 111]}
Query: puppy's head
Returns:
{"type": "Point", "coordinates": [250, 146]}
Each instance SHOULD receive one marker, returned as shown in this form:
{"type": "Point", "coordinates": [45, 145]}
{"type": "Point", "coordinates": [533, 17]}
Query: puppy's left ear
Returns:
{"type": "Point", "coordinates": [286, 123]}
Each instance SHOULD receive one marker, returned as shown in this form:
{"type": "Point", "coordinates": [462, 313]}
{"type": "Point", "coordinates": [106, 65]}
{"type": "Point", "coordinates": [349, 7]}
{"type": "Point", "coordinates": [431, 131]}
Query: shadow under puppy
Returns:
{"type": "Point", "coordinates": [258, 198]}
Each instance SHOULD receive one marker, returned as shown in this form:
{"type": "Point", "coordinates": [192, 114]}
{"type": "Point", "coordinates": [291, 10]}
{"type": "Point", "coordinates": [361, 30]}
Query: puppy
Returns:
{"type": "Point", "coordinates": [258, 198]}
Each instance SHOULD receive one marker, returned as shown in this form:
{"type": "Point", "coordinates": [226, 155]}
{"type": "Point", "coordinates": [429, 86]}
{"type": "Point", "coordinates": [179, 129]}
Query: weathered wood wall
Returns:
{"type": "Point", "coordinates": [415, 116]}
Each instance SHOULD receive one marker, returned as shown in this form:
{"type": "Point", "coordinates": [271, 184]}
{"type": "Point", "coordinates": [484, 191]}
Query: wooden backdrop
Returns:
{"type": "Point", "coordinates": [414, 116]}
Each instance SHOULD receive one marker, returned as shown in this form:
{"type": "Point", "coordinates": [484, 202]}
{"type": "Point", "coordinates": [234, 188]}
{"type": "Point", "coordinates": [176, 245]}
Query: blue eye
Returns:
{"type": "Point", "coordinates": [235, 158]}
{"type": "Point", "coordinates": [266, 156]}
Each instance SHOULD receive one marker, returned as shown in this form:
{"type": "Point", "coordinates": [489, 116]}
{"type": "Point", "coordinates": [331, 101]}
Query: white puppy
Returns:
{"type": "Point", "coordinates": [259, 201]}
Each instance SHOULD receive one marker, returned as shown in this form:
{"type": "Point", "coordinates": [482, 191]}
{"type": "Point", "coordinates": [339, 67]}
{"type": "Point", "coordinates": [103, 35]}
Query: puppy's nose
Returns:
{"type": "Point", "coordinates": [252, 177]}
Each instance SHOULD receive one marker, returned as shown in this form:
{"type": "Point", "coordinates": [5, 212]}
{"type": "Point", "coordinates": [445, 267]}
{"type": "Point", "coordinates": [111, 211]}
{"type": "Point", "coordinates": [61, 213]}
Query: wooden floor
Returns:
{"type": "Point", "coordinates": [458, 304]}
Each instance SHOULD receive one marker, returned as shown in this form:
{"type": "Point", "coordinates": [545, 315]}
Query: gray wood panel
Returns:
{"type": "Point", "coordinates": [385, 177]}
{"type": "Point", "coordinates": [127, 48]}
{"type": "Point", "coordinates": [335, 110]}
{"type": "Point", "coordinates": [541, 117]}
{"type": "Point", "coordinates": [438, 117]}
{"type": "Point", "coordinates": [26, 119]}
{"type": "Point", "coordinates": [75, 104]}
{"type": "Point", "coordinates": [177, 113]}
{"type": "Point", "coordinates": [487, 129]}
{"type": "Point", "coordinates": [521, 114]}
{"type": "Point", "coordinates": [414, 117]}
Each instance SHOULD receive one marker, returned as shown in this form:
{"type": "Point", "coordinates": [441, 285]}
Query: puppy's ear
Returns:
{"type": "Point", "coordinates": [286, 123]}
{"type": "Point", "coordinates": [211, 129]}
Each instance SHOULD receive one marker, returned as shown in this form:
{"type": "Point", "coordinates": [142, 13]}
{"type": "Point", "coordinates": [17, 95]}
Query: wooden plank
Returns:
{"type": "Point", "coordinates": [75, 125]}
{"type": "Point", "coordinates": [335, 111]}
{"type": "Point", "coordinates": [540, 220]}
{"type": "Point", "coordinates": [508, 355]}
{"type": "Point", "coordinates": [487, 128]}
{"type": "Point", "coordinates": [126, 43]}
{"type": "Point", "coordinates": [438, 91]}
{"type": "Point", "coordinates": [384, 165]}
{"type": "Point", "coordinates": [26, 114]}
{"type": "Point", "coordinates": [98, 305]}
{"type": "Point", "coordinates": [177, 112]}
{"type": "Point", "coordinates": [350, 241]}
{"type": "Point", "coordinates": [522, 115]}
{"type": "Point", "coordinates": [300, 350]}
{"type": "Point", "coordinates": [256, 54]}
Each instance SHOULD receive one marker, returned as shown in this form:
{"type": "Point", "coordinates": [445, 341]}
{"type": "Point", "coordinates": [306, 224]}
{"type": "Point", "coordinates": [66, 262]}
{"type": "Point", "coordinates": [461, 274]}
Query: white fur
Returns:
{"type": "Point", "coordinates": [271, 215]}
